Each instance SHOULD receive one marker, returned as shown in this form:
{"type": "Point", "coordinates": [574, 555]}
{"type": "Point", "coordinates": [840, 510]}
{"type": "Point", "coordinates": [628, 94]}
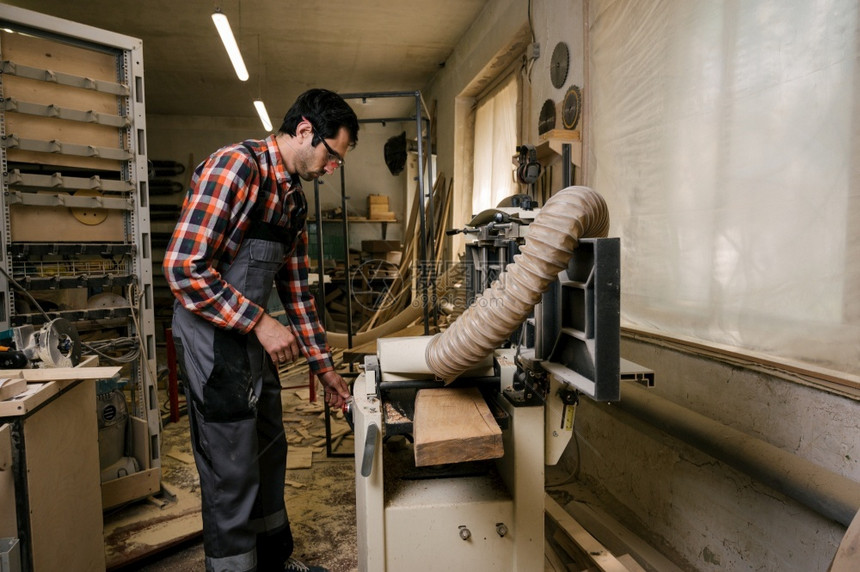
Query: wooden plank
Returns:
{"type": "Point", "coordinates": [31, 223]}
{"type": "Point", "coordinates": [454, 425]}
{"type": "Point", "coordinates": [300, 458]}
{"type": "Point", "coordinates": [45, 93]}
{"type": "Point", "coordinates": [73, 132]}
{"type": "Point", "coordinates": [56, 56]}
{"type": "Point", "coordinates": [68, 373]}
{"type": "Point", "coordinates": [136, 486]}
{"type": "Point", "coordinates": [61, 444]}
{"type": "Point", "coordinates": [566, 135]}
{"type": "Point", "coordinates": [8, 511]}
{"type": "Point", "coordinates": [97, 163]}
{"type": "Point", "coordinates": [847, 558]}
{"type": "Point", "coordinates": [552, 562]}
{"type": "Point", "coordinates": [11, 387]}
{"type": "Point", "coordinates": [602, 558]}
{"type": "Point", "coordinates": [617, 538]}
{"type": "Point", "coordinates": [186, 458]}
{"type": "Point", "coordinates": [631, 564]}
{"type": "Point", "coordinates": [141, 530]}
{"type": "Point", "coordinates": [38, 393]}
{"type": "Point", "coordinates": [35, 395]}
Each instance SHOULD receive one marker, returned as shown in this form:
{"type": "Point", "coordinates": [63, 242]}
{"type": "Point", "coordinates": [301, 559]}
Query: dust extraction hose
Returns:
{"type": "Point", "coordinates": [570, 214]}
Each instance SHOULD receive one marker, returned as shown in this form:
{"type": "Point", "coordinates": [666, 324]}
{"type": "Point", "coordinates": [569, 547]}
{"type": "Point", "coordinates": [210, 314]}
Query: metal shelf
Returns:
{"type": "Point", "coordinates": [74, 203]}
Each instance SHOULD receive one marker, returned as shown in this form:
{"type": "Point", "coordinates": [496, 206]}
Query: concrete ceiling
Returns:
{"type": "Point", "coordinates": [348, 46]}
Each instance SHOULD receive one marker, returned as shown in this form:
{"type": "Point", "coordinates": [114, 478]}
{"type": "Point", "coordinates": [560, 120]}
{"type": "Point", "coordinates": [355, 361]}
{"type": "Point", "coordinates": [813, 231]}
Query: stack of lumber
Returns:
{"type": "Point", "coordinates": [378, 208]}
{"type": "Point", "coordinates": [431, 268]}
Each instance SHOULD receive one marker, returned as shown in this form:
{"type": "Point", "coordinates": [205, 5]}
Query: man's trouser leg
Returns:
{"type": "Point", "coordinates": [274, 538]}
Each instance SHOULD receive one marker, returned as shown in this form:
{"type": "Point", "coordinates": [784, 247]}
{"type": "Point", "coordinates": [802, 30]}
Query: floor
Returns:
{"type": "Point", "coordinates": [162, 534]}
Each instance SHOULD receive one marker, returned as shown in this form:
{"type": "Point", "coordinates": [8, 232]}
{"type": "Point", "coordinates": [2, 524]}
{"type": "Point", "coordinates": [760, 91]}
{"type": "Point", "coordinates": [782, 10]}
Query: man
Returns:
{"type": "Point", "coordinates": [241, 230]}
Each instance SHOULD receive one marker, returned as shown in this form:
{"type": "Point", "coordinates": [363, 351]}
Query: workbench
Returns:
{"type": "Point", "coordinates": [50, 492]}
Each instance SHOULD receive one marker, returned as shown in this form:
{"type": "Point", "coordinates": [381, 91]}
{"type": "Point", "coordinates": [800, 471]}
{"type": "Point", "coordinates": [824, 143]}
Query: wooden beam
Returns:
{"type": "Point", "coordinates": [600, 556]}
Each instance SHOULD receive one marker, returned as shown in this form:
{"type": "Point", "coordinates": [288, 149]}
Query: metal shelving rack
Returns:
{"type": "Point", "coordinates": [75, 203]}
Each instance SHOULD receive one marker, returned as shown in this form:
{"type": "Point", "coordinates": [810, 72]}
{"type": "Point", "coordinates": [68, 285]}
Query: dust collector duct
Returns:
{"type": "Point", "coordinates": [570, 214]}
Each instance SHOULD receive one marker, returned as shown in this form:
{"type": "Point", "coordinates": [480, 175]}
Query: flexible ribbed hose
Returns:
{"type": "Point", "coordinates": [570, 214]}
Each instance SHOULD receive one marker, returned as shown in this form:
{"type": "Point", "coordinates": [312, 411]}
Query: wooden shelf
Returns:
{"type": "Point", "coordinates": [549, 148]}
{"type": "Point", "coordinates": [354, 219]}
{"type": "Point", "coordinates": [383, 221]}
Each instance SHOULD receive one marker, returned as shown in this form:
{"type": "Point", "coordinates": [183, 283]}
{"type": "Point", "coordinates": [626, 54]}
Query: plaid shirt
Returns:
{"type": "Point", "coordinates": [217, 211]}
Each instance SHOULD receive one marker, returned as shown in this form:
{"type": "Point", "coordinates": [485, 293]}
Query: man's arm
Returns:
{"type": "Point", "coordinates": [292, 285]}
{"type": "Point", "coordinates": [213, 219]}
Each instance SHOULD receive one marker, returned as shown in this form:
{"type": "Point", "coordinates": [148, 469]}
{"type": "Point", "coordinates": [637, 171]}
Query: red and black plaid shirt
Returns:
{"type": "Point", "coordinates": [216, 213]}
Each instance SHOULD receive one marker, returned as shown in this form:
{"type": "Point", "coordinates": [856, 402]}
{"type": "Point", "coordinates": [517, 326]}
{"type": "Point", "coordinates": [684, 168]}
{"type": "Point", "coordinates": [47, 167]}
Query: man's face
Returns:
{"type": "Point", "coordinates": [313, 162]}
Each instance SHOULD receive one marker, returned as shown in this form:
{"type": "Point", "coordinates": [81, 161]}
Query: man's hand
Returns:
{"type": "Point", "coordinates": [277, 339]}
{"type": "Point", "coordinates": [336, 390]}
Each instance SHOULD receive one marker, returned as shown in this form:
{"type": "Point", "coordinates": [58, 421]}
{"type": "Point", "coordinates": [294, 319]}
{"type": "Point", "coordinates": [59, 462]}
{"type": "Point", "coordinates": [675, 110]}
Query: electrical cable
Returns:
{"type": "Point", "coordinates": [147, 368]}
{"type": "Point", "coordinates": [98, 347]}
{"type": "Point", "coordinates": [24, 291]}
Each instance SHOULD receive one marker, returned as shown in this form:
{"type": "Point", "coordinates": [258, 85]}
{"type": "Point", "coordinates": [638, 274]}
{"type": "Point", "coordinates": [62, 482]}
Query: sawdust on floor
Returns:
{"type": "Point", "coordinates": [164, 535]}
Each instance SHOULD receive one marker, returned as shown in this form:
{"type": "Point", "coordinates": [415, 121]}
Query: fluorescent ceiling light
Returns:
{"type": "Point", "coordinates": [264, 115]}
{"type": "Point", "coordinates": [230, 45]}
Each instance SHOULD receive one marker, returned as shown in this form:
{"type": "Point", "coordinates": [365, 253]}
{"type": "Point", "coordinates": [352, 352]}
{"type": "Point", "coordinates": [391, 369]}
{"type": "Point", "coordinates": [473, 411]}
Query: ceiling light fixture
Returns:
{"type": "Point", "coordinates": [226, 33]}
{"type": "Point", "coordinates": [264, 115]}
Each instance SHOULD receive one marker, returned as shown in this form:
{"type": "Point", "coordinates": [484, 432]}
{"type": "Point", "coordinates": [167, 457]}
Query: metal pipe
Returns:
{"type": "Point", "coordinates": [344, 199]}
{"type": "Point", "coordinates": [570, 214]}
{"type": "Point", "coordinates": [422, 264]}
{"type": "Point", "coordinates": [387, 120]}
{"type": "Point", "coordinates": [827, 493]}
{"type": "Point", "coordinates": [380, 94]}
{"type": "Point", "coordinates": [566, 171]}
{"type": "Point", "coordinates": [492, 380]}
{"type": "Point", "coordinates": [320, 302]}
{"type": "Point", "coordinates": [431, 230]}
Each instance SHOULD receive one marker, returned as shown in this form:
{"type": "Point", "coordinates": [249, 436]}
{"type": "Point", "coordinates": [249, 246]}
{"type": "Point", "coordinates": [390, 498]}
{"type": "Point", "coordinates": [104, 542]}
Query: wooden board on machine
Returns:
{"type": "Point", "coordinates": [454, 425]}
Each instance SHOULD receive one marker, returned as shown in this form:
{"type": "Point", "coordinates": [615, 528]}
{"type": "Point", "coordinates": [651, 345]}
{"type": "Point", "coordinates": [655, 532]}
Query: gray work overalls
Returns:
{"type": "Point", "coordinates": [234, 408]}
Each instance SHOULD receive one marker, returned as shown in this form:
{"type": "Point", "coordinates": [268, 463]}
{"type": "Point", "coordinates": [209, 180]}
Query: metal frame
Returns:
{"type": "Point", "coordinates": [423, 193]}
{"type": "Point", "coordinates": [129, 197]}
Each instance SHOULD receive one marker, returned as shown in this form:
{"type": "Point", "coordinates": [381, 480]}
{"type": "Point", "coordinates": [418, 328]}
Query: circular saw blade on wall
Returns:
{"type": "Point", "coordinates": [546, 120]}
{"type": "Point", "coordinates": [571, 107]}
{"type": "Point", "coordinates": [559, 64]}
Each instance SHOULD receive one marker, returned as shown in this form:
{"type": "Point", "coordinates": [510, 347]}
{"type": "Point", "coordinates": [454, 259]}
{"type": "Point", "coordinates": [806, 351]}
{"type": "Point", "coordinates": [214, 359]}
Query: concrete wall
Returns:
{"type": "Point", "coordinates": [500, 37]}
{"type": "Point", "coordinates": [701, 512]}
{"type": "Point", "coordinates": [189, 140]}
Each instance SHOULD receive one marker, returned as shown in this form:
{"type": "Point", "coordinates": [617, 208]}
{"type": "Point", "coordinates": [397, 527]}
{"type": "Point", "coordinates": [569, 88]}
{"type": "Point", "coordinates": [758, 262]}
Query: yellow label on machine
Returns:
{"type": "Point", "coordinates": [567, 417]}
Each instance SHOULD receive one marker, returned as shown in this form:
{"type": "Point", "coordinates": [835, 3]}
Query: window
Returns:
{"type": "Point", "coordinates": [724, 138]}
{"type": "Point", "coordinates": [495, 144]}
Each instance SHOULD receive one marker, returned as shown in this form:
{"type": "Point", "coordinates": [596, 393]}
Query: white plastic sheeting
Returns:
{"type": "Point", "coordinates": [725, 137]}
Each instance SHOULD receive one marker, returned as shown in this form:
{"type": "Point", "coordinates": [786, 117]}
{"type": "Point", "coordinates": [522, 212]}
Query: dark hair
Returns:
{"type": "Point", "coordinates": [327, 112]}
